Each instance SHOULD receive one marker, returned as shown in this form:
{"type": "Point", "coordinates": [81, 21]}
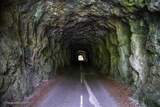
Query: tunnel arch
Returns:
{"type": "Point", "coordinates": [39, 37]}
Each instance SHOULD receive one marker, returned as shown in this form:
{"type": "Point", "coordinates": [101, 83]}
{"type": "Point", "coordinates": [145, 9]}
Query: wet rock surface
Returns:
{"type": "Point", "coordinates": [121, 39]}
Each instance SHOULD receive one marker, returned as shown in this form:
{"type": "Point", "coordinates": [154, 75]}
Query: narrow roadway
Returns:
{"type": "Point", "coordinates": [78, 88]}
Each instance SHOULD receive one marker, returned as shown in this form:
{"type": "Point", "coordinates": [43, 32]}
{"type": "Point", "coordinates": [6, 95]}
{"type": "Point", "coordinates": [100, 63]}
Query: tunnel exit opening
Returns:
{"type": "Point", "coordinates": [81, 53]}
{"type": "Point", "coordinates": [82, 57]}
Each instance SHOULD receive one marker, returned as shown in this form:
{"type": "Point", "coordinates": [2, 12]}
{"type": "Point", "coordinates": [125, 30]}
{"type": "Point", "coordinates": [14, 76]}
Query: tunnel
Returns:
{"type": "Point", "coordinates": [119, 39]}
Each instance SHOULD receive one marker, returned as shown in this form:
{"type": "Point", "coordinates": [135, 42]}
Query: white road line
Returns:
{"type": "Point", "coordinates": [81, 101]}
{"type": "Point", "coordinates": [81, 75]}
{"type": "Point", "coordinates": [92, 97]}
{"type": "Point", "coordinates": [81, 78]}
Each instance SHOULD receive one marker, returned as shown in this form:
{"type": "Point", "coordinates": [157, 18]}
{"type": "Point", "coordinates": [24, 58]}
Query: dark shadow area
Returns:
{"type": "Point", "coordinates": [75, 47]}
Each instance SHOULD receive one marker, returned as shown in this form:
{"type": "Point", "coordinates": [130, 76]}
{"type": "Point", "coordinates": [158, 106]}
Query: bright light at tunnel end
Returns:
{"type": "Point", "coordinates": [80, 58]}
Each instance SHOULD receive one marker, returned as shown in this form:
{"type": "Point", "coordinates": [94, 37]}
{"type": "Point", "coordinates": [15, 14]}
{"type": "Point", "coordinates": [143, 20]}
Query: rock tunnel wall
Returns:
{"type": "Point", "coordinates": [122, 38]}
{"type": "Point", "coordinates": [30, 51]}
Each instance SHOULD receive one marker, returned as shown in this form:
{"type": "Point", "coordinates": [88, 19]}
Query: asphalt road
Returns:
{"type": "Point", "coordinates": [77, 89]}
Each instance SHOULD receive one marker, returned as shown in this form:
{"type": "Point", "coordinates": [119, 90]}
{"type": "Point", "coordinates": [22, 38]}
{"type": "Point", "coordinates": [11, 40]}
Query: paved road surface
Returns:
{"type": "Point", "coordinates": [77, 89]}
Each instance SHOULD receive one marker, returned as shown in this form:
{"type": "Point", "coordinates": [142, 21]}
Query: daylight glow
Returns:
{"type": "Point", "coordinates": [80, 58]}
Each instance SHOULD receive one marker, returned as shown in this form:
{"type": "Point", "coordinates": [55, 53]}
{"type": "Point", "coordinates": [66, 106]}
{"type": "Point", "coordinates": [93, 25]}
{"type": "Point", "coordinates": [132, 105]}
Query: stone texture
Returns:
{"type": "Point", "coordinates": [121, 37]}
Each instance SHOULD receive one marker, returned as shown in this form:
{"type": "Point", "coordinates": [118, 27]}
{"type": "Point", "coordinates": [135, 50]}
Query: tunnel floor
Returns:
{"type": "Point", "coordinates": [80, 86]}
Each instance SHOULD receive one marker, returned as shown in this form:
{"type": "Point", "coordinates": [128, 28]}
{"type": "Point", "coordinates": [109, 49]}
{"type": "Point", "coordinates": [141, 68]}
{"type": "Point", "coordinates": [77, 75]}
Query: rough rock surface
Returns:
{"type": "Point", "coordinates": [121, 37]}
